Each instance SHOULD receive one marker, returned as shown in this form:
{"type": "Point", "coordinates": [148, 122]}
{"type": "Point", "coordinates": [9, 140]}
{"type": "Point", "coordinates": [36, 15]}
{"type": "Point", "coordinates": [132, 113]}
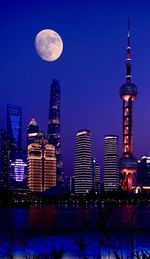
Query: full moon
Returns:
{"type": "Point", "coordinates": [48, 44]}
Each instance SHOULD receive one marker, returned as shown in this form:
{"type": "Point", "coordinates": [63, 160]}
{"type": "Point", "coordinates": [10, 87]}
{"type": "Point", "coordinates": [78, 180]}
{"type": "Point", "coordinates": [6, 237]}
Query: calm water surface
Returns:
{"type": "Point", "coordinates": [39, 228]}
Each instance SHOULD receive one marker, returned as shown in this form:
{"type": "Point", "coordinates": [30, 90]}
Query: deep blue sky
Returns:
{"type": "Point", "coordinates": [91, 68]}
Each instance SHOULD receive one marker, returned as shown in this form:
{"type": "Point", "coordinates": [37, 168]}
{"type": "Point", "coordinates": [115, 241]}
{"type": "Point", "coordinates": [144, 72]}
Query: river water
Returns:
{"type": "Point", "coordinates": [90, 231]}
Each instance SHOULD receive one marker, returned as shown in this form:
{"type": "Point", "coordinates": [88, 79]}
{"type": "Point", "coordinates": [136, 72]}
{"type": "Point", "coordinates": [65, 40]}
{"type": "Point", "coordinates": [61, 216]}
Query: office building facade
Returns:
{"type": "Point", "coordinates": [83, 166]}
{"type": "Point", "coordinates": [54, 132]}
{"type": "Point", "coordinates": [111, 163]}
{"type": "Point", "coordinates": [41, 166]}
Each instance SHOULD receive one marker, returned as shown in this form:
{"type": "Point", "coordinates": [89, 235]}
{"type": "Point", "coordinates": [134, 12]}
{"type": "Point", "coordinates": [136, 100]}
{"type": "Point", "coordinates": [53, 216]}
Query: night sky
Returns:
{"type": "Point", "coordinates": [91, 68]}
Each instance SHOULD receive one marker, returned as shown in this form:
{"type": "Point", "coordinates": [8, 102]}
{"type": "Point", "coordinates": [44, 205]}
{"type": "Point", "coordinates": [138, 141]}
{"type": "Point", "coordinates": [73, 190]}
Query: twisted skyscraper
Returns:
{"type": "Point", "coordinates": [54, 133]}
{"type": "Point", "coordinates": [128, 93]}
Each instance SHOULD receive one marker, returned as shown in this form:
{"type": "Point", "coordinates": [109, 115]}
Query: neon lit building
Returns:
{"type": "Point", "coordinates": [83, 168]}
{"type": "Point", "coordinates": [41, 166]}
{"type": "Point", "coordinates": [128, 93]}
{"type": "Point", "coordinates": [111, 163]}
{"type": "Point", "coordinates": [18, 171]}
{"type": "Point", "coordinates": [54, 132]}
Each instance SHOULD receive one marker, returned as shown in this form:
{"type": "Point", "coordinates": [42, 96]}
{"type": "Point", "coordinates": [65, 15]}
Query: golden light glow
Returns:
{"type": "Point", "coordinates": [41, 162]}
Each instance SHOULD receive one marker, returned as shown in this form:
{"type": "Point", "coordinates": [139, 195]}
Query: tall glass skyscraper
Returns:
{"type": "Point", "coordinates": [14, 129]}
{"type": "Point", "coordinates": [111, 163]}
{"type": "Point", "coordinates": [83, 167]}
{"type": "Point", "coordinates": [54, 133]}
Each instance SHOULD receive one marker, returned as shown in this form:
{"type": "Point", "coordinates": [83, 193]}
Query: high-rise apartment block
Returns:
{"type": "Point", "coordinates": [83, 167]}
{"type": "Point", "coordinates": [54, 132]}
{"type": "Point", "coordinates": [111, 163]}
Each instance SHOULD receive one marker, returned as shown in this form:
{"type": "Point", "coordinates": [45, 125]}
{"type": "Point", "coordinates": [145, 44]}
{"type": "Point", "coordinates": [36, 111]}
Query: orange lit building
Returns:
{"type": "Point", "coordinates": [41, 166]}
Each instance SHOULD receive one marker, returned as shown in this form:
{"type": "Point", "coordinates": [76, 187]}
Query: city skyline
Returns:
{"type": "Point", "coordinates": [92, 51]}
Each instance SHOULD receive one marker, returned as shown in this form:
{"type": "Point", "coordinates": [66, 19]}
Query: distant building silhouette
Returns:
{"type": "Point", "coordinates": [83, 168]}
{"type": "Point", "coordinates": [96, 176]}
{"type": "Point", "coordinates": [41, 165]}
{"type": "Point", "coordinates": [4, 160]}
{"type": "Point", "coordinates": [54, 132]}
{"type": "Point", "coordinates": [111, 163]}
{"type": "Point", "coordinates": [14, 126]}
{"type": "Point", "coordinates": [69, 183]}
{"type": "Point", "coordinates": [11, 143]}
{"type": "Point", "coordinates": [32, 131]}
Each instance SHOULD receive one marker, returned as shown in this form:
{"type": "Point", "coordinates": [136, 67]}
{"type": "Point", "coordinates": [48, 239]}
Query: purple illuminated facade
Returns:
{"type": "Point", "coordinates": [18, 172]}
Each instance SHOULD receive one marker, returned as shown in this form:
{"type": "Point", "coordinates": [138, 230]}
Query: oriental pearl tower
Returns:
{"type": "Point", "coordinates": [128, 93]}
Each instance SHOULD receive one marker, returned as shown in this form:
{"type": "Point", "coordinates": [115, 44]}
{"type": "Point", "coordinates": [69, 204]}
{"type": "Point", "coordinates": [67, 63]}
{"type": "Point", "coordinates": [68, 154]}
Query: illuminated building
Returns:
{"type": "Point", "coordinates": [96, 175]}
{"type": "Point", "coordinates": [143, 172]}
{"type": "Point", "coordinates": [14, 129]}
{"type": "Point", "coordinates": [4, 160]}
{"type": "Point", "coordinates": [32, 131]}
{"type": "Point", "coordinates": [111, 163]}
{"type": "Point", "coordinates": [41, 166]}
{"type": "Point", "coordinates": [54, 133]}
{"type": "Point", "coordinates": [128, 93]}
{"type": "Point", "coordinates": [83, 168]}
{"type": "Point", "coordinates": [18, 171]}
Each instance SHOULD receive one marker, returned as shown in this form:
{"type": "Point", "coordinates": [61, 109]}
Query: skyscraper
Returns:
{"type": "Point", "coordinates": [41, 166]}
{"type": "Point", "coordinates": [111, 163]}
{"type": "Point", "coordinates": [18, 171]}
{"type": "Point", "coordinates": [4, 160]}
{"type": "Point", "coordinates": [83, 168]}
{"type": "Point", "coordinates": [14, 127]}
{"type": "Point", "coordinates": [128, 93]}
{"type": "Point", "coordinates": [54, 133]}
{"type": "Point", "coordinates": [32, 131]}
{"type": "Point", "coordinates": [96, 175]}
{"type": "Point", "coordinates": [143, 172]}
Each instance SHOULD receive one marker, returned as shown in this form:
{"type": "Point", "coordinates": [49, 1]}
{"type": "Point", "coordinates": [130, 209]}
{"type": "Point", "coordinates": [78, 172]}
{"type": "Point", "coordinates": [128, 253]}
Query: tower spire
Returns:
{"type": "Point", "coordinates": [128, 93]}
{"type": "Point", "coordinates": [128, 60]}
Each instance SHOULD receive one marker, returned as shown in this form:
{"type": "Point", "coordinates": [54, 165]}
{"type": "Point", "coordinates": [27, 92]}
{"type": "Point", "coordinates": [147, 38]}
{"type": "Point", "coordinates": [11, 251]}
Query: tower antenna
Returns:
{"type": "Point", "coordinates": [128, 60]}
